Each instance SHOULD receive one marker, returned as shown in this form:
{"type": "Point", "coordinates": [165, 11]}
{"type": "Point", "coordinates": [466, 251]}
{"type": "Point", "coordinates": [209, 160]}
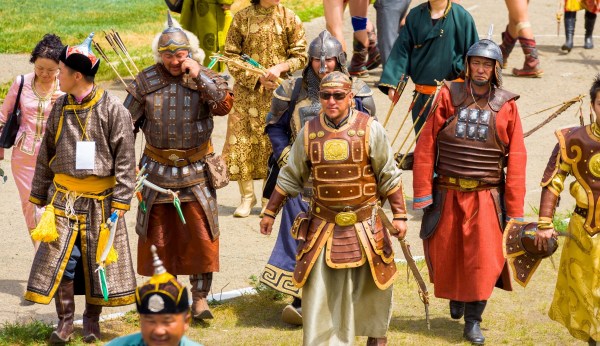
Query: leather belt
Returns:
{"type": "Point", "coordinates": [345, 217]}
{"type": "Point", "coordinates": [463, 184]}
{"type": "Point", "coordinates": [178, 158]}
{"type": "Point", "coordinates": [583, 212]}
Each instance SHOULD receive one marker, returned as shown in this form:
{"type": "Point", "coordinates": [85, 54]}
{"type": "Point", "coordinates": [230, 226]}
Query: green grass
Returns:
{"type": "Point", "coordinates": [24, 333]}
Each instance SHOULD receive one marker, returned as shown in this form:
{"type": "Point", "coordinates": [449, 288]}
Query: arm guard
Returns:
{"type": "Point", "coordinates": [215, 90]}
{"type": "Point", "coordinates": [275, 202]}
{"type": "Point", "coordinates": [397, 204]}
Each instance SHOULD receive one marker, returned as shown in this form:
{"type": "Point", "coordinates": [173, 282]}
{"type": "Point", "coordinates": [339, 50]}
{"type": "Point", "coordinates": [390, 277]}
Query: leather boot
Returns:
{"type": "Point", "coordinates": [570, 18]}
{"type": "Point", "coordinates": [374, 54]}
{"type": "Point", "coordinates": [507, 45]}
{"type": "Point", "coordinates": [65, 309]}
{"type": "Point", "coordinates": [200, 288]}
{"type": "Point", "coordinates": [531, 66]}
{"type": "Point", "coordinates": [472, 331]}
{"type": "Point", "coordinates": [590, 21]}
{"type": "Point", "coordinates": [358, 64]}
{"type": "Point", "coordinates": [91, 323]}
{"type": "Point", "coordinates": [248, 199]}
{"type": "Point", "coordinates": [376, 341]}
{"type": "Point", "coordinates": [457, 309]}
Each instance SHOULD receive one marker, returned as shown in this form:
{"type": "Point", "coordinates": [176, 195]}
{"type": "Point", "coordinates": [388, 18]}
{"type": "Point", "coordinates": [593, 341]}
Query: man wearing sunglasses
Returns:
{"type": "Point", "coordinates": [345, 261]}
{"type": "Point", "coordinates": [295, 102]}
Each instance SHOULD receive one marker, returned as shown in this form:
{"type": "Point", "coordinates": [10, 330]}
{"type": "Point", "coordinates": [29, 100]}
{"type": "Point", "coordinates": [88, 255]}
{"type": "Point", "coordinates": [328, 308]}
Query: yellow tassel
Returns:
{"type": "Point", "coordinates": [45, 230]}
{"type": "Point", "coordinates": [113, 256]}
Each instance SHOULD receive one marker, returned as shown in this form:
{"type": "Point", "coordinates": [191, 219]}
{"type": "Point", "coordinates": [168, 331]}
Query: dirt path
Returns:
{"type": "Point", "coordinates": [243, 250]}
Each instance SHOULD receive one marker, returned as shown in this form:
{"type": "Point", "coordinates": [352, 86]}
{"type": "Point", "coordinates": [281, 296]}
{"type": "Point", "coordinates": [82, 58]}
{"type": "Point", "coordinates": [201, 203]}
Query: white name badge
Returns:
{"type": "Point", "coordinates": [85, 155]}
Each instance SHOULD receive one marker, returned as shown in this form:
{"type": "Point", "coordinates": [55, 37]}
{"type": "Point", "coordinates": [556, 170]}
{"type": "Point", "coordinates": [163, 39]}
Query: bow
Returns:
{"type": "Point", "coordinates": [563, 107]}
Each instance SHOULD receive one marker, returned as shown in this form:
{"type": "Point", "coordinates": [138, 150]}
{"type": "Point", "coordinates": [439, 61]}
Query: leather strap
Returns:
{"type": "Point", "coordinates": [178, 158]}
{"type": "Point", "coordinates": [405, 246]}
{"type": "Point", "coordinates": [462, 184]}
{"type": "Point", "coordinates": [581, 212]}
{"type": "Point", "coordinates": [363, 212]}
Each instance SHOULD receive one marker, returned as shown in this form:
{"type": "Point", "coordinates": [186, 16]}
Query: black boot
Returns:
{"type": "Point", "coordinates": [473, 312]}
{"type": "Point", "coordinates": [570, 18]}
{"type": "Point", "coordinates": [457, 309]}
{"type": "Point", "coordinates": [590, 21]}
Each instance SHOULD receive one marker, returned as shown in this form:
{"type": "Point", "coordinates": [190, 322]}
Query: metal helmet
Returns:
{"type": "Point", "coordinates": [172, 39]}
{"type": "Point", "coordinates": [486, 48]}
{"type": "Point", "coordinates": [323, 47]}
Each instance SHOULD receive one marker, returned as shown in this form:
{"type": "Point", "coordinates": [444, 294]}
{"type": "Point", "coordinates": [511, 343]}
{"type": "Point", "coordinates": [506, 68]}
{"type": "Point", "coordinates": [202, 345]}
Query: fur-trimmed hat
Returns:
{"type": "Point", "coordinates": [175, 38]}
{"type": "Point", "coordinates": [81, 58]}
{"type": "Point", "coordinates": [162, 294]}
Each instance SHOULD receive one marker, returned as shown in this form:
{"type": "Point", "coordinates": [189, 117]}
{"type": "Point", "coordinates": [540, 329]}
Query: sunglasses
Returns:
{"type": "Point", "coordinates": [338, 96]}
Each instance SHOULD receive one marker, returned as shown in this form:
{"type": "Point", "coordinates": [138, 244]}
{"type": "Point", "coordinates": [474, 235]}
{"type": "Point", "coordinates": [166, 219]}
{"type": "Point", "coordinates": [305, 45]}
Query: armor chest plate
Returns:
{"type": "Point", "coordinates": [468, 147]}
{"type": "Point", "coordinates": [176, 118]}
{"type": "Point", "coordinates": [341, 167]}
{"type": "Point", "coordinates": [581, 148]}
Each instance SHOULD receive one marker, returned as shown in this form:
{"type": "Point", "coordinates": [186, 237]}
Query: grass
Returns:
{"type": "Point", "coordinates": [24, 333]}
{"type": "Point", "coordinates": [511, 318]}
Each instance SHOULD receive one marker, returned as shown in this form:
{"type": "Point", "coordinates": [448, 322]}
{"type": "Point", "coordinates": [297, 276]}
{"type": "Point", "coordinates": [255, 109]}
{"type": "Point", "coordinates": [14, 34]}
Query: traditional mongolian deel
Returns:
{"type": "Point", "coordinates": [576, 298]}
{"type": "Point", "coordinates": [429, 50]}
{"type": "Point", "coordinates": [83, 198]}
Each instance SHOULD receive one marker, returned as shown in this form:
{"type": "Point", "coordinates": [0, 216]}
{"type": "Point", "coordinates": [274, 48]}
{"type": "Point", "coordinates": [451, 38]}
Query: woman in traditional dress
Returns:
{"type": "Point", "coordinates": [577, 294]}
{"type": "Point", "coordinates": [591, 7]}
{"type": "Point", "coordinates": [40, 90]}
{"type": "Point", "coordinates": [273, 36]}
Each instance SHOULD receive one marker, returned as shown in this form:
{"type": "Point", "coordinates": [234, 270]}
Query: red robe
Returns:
{"type": "Point", "coordinates": [464, 255]}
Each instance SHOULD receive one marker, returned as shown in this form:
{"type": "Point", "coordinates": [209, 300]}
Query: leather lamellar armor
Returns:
{"type": "Point", "coordinates": [341, 168]}
{"type": "Point", "coordinates": [175, 115]}
{"type": "Point", "coordinates": [580, 148]}
{"type": "Point", "coordinates": [469, 146]}
{"type": "Point", "coordinates": [344, 220]}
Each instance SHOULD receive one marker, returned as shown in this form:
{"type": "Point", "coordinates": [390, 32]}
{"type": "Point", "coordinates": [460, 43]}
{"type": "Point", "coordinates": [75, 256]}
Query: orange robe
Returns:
{"type": "Point", "coordinates": [464, 255]}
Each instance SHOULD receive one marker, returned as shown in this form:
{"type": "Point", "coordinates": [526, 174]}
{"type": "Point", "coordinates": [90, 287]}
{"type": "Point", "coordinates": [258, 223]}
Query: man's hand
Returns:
{"type": "Point", "coordinates": [542, 236]}
{"type": "Point", "coordinates": [267, 84]}
{"type": "Point", "coordinates": [266, 225]}
{"type": "Point", "coordinates": [391, 94]}
{"type": "Point", "coordinates": [191, 67]}
{"type": "Point", "coordinates": [226, 7]}
{"type": "Point", "coordinates": [400, 226]}
{"type": "Point", "coordinates": [121, 212]}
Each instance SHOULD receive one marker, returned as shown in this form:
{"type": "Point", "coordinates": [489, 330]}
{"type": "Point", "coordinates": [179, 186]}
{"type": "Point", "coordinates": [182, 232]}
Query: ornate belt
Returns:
{"type": "Point", "coordinates": [463, 184]}
{"type": "Point", "coordinates": [178, 158]}
{"type": "Point", "coordinates": [346, 217]}
{"type": "Point", "coordinates": [583, 212]}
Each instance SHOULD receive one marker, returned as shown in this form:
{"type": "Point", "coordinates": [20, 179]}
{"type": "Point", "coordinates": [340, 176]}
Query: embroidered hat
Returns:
{"type": "Point", "coordinates": [81, 58]}
{"type": "Point", "coordinates": [162, 294]}
{"type": "Point", "coordinates": [336, 80]}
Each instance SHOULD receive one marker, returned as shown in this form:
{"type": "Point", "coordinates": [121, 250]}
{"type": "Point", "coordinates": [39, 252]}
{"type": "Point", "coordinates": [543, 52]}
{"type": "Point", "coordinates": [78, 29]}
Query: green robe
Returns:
{"type": "Point", "coordinates": [207, 20]}
{"type": "Point", "coordinates": [426, 52]}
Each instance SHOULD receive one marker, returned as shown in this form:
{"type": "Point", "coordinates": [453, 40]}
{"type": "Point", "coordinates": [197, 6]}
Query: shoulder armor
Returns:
{"type": "Point", "coordinates": [500, 97]}
{"type": "Point", "coordinates": [284, 91]}
{"type": "Point", "coordinates": [458, 92]}
{"type": "Point", "coordinates": [360, 88]}
{"type": "Point", "coordinates": [150, 80]}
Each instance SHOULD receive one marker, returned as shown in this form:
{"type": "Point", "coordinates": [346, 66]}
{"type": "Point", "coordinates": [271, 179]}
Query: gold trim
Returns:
{"type": "Point", "coordinates": [348, 265]}
{"type": "Point", "coordinates": [379, 285]}
{"type": "Point", "coordinates": [37, 201]}
{"type": "Point", "coordinates": [118, 205]}
{"type": "Point", "coordinates": [280, 280]}
{"type": "Point", "coordinates": [328, 233]}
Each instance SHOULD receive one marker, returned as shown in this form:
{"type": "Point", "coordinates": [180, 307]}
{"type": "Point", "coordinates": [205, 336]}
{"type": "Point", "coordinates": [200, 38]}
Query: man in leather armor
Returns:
{"type": "Point", "coordinates": [576, 297]}
{"type": "Point", "coordinates": [174, 102]}
{"type": "Point", "coordinates": [471, 162]}
{"type": "Point", "coordinates": [283, 124]}
{"type": "Point", "coordinates": [342, 239]}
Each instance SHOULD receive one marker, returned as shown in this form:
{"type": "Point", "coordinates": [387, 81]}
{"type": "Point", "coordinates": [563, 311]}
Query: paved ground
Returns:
{"type": "Point", "coordinates": [243, 250]}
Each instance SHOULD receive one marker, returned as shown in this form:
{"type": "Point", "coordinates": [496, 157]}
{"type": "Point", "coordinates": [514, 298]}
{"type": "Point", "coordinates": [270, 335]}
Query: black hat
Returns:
{"type": "Point", "coordinates": [162, 294]}
{"type": "Point", "coordinates": [81, 58]}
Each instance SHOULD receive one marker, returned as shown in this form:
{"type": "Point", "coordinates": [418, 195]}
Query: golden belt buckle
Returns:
{"type": "Point", "coordinates": [345, 218]}
{"type": "Point", "coordinates": [467, 184]}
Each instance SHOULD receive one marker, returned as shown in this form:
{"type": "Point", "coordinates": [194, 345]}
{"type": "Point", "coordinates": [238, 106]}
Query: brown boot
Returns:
{"type": "Point", "coordinates": [531, 66]}
{"type": "Point", "coordinates": [200, 288]}
{"type": "Point", "coordinates": [507, 45]}
{"type": "Point", "coordinates": [91, 323]}
{"type": "Point", "coordinates": [374, 54]}
{"type": "Point", "coordinates": [358, 64]}
{"type": "Point", "coordinates": [377, 341]}
{"type": "Point", "coordinates": [65, 309]}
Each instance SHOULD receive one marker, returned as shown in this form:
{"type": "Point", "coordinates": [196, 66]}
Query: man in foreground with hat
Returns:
{"type": "Point", "coordinates": [295, 102]}
{"type": "Point", "coordinates": [85, 173]}
{"type": "Point", "coordinates": [345, 262]}
{"type": "Point", "coordinates": [174, 102]}
{"type": "Point", "coordinates": [164, 309]}
{"type": "Point", "coordinates": [471, 136]}
{"type": "Point", "coordinates": [576, 297]}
